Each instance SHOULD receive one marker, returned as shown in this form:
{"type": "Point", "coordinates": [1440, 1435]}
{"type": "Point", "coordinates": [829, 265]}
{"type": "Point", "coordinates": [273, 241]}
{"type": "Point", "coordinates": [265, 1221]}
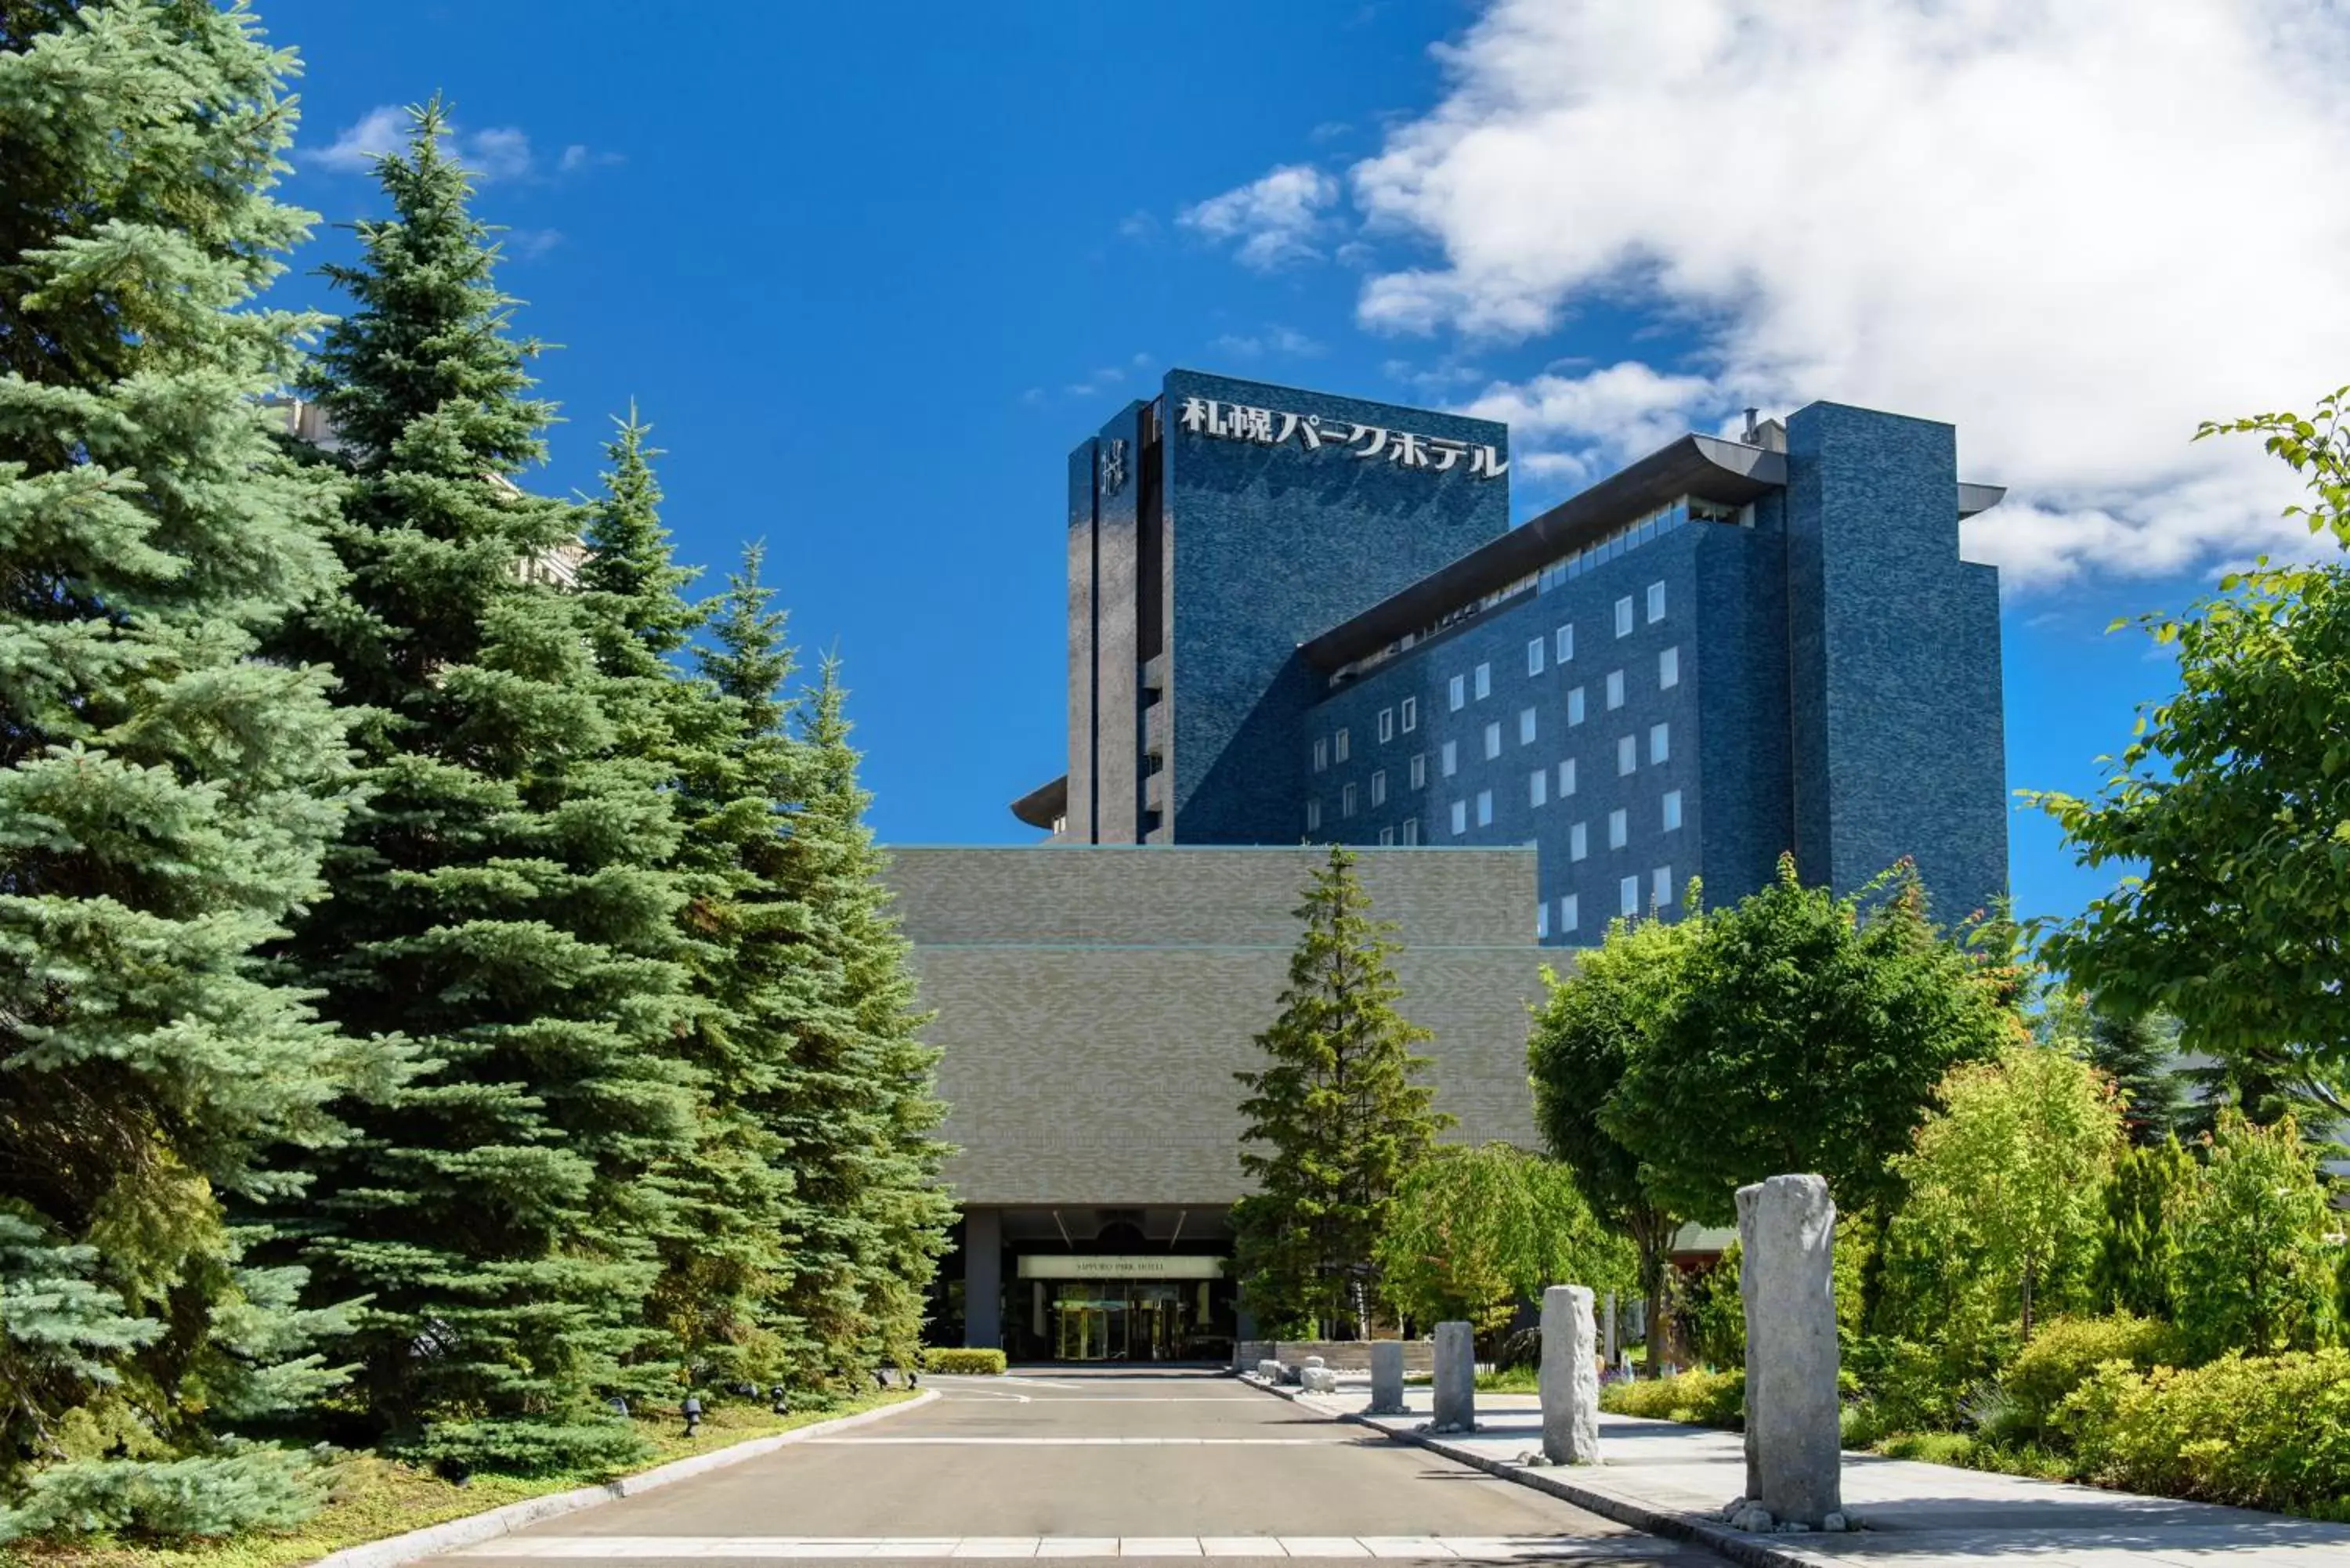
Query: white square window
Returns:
{"type": "Point", "coordinates": [1411, 830]}
{"type": "Point", "coordinates": [1386, 723]}
{"type": "Point", "coordinates": [1656, 603]}
{"type": "Point", "coordinates": [1619, 828]}
{"type": "Point", "coordinates": [1542, 920]}
{"type": "Point", "coordinates": [1660, 886]}
{"type": "Point", "coordinates": [1614, 688]}
{"type": "Point", "coordinates": [1538, 787]}
{"type": "Point", "coordinates": [1566, 778]}
{"type": "Point", "coordinates": [1577, 844]}
{"type": "Point", "coordinates": [1561, 643]}
{"type": "Point", "coordinates": [1420, 770]}
{"type": "Point", "coordinates": [1624, 616]}
{"type": "Point", "coordinates": [1411, 714]}
{"type": "Point", "coordinates": [1341, 749]}
{"type": "Point", "coordinates": [1627, 754]}
{"type": "Point", "coordinates": [1575, 706]}
{"type": "Point", "coordinates": [1313, 816]}
{"type": "Point", "coordinates": [1526, 726]}
{"type": "Point", "coordinates": [1320, 753]}
{"type": "Point", "coordinates": [1347, 801]}
{"type": "Point", "coordinates": [1672, 809]}
{"type": "Point", "coordinates": [1535, 657]}
{"type": "Point", "coordinates": [1387, 836]}
{"type": "Point", "coordinates": [1450, 759]}
{"type": "Point", "coordinates": [1627, 896]}
{"type": "Point", "coordinates": [1570, 912]}
{"type": "Point", "coordinates": [1458, 690]}
{"type": "Point", "coordinates": [1668, 668]}
{"type": "Point", "coordinates": [1380, 787]}
{"type": "Point", "coordinates": [1660, 744]}
{"type": "Point", "coordinates": [1484, 808]}
{"type": "Point", "coordinates": [1485, 680]}
{"type": "Point", "coordinates": [1459, 816]}
{"type": "Point", "coordinates": [1493, 739]}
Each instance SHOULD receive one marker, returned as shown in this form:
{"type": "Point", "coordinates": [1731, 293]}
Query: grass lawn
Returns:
{"type": "Point", "coordinates": [370, 1498]}
{"type": "Point", "coordinates": [1513, 1380]}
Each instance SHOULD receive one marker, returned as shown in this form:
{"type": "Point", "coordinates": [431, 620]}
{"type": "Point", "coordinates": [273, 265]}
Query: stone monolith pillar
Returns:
{"type": "Point", "coordinates": [1570, 1377]}
{"type": "Point", "coordinates": [1387, 1378]}
{"type": "Point", "coordinates": [1786, 1238]}
{"type": "Point", "coordinates": [1611, 1328]}
{"type": "Point", "coordinates": [1456, 1379]}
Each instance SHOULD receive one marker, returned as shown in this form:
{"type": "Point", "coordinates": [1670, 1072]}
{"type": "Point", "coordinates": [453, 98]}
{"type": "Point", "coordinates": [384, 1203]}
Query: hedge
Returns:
{"type": "Point", "coordinates": [2064, 1354]}
{"type": "Point", "coordinates": [962, 1360]}
{"type": "Point", "coordinates": [1700, 1398]}
{"type": "Point", "coordinates": [2255, 1431]}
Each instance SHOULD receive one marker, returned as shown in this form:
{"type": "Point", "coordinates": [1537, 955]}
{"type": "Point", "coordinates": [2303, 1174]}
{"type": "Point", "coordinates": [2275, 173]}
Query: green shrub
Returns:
{"type": "Point", "coordinates": [2259, 1432]}
{"type": "Point", "coordinates": [1906, 1387]}
{"type": "Point", "coordinates": [2065, 1352]}
{"type": "Point", "coordinates": [1699, 1398]}
{"type": "Point", "coordinates": [974, 1363]}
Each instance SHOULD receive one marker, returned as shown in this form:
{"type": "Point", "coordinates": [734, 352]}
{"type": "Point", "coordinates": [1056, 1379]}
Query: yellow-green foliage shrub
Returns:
{"type": "Point", "coordinates": [2259, 1432]}
{"type": "Point", "coordinates": [1700, 1398]}
{"type": "Point", "coordinates": [969, 1362]}
{"type": "Point", "coordinates": [2065, 1352]}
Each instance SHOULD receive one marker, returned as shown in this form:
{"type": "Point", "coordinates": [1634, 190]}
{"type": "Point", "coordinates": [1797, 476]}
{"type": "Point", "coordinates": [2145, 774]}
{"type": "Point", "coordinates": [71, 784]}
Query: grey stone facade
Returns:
{"type": "Point", "coordinates": [1093, 1004]}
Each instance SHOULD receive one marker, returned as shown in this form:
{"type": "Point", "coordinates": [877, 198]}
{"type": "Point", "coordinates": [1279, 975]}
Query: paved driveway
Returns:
{"type": "Point", "coordinates": [1091, 1465]}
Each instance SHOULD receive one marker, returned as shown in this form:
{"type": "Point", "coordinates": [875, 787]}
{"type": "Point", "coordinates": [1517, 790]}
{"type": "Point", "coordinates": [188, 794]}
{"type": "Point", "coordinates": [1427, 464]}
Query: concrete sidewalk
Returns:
{"type": "Point", "coordinates": [1665, 1477]}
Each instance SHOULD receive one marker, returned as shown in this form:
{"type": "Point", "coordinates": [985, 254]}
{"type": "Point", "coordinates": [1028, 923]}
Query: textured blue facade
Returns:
{"type": "Point", "coordinates": [1651, 685]}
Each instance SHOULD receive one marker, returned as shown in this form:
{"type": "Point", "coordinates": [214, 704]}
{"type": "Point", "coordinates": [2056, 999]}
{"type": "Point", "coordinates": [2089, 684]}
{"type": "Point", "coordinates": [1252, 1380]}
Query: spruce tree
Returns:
{"type": "Point", "coordinates": [875, 1216]}
{"type": "Point", "coordinates": [165, 796]}
{"type": "Point", "coordinates": [1341, 1115]}
{"type": "Point", "coordinates": [504, 901]}
{"type": "Point", "coordinates": [2139, 1055]}
{"type": "Point", "coordinates": [729, 1187]}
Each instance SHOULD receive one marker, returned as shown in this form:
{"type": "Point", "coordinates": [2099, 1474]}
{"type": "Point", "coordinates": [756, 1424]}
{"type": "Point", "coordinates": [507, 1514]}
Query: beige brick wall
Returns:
{"type": "Point", "coordinates": [1094, 1002]}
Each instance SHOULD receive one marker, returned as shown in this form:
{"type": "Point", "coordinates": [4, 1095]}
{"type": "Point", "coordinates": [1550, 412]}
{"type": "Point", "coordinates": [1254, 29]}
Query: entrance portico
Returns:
{"type": "Point", "coordinates": [1134, 1284]}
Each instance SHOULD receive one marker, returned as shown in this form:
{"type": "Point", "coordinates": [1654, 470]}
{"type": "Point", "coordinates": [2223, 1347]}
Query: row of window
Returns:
{"type": "Point", "coordinates": [1560, 648]}
{"type": "Point", "coordinates": [1628, 902]}
{"type": "Point", "coordinates": [1578, 840]}
{"type": "Point", "coordinates": [1627, 762]}
{"type": "Point", "coordinates": [1338, 747]}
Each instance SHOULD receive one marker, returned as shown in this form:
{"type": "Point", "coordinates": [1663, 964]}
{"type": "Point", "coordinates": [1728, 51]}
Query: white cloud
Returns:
{"type": "Point", "coordinates": [2073, 231]}
{"type": "Point", "coordinates": [530, 244]}
{"type": "Point", "coordinates": [498, 153]}
{"type": "Point", "coordinates": [1275, 219]}
{"type": "Point", "coordinates": [1274, 339]}
{"type": "Point", "coordinates": [381, 131]}
{"type": "Point", "coordinates": [1579, 427]}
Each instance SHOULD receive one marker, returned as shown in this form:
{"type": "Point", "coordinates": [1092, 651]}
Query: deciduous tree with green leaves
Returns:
{"type": "Point", "coordinates": [2234, 800]}
{"type": "Point", "coordinates": [2008, 1169]}
{"type": "Point", "coordinates": [505, 902]}
{"type": "Point", "coordinates": [166, 794]}
{"type": "Point", "coordinates": [1590, 1026]}
{"type": "Point", "coordinates": [1806, 1032]}
{"type": "Point", "coordinates": [1473, 1231]}
{"type": "Point", "coordinates": [2254, 1266]}
{"type": "Point", "coordinates": [1335, 1119]}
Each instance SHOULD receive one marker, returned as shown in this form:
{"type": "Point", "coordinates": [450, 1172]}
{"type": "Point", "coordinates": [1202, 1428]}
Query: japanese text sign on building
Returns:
{"type": "Point", "coordinates": [1272, 426]}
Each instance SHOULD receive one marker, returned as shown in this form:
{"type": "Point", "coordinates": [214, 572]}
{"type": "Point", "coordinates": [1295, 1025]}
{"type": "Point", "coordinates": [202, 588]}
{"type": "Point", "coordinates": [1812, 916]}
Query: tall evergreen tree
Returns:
{"type": "Point", "coordinates": [2139, 1053]}
{"type": "Point", "coordinates": [875, 1214]}
{"type": "Point", "coordinates": [729, 1187]}
{"type": "Point", "coordinates": [505, 902]}
{"type": "Point", "coordinates": [165, 797]}
{"type": "Point", "coordinates": [1340, 1112]}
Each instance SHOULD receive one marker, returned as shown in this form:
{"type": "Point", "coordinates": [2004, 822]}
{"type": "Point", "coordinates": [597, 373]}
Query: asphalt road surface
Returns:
{"type": "Point", "coordinates": [1087, 1465]}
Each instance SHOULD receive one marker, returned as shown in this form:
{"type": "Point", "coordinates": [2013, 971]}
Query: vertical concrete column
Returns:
{"type": "Point", "coordinates": [1570, 1377]}
{"type": "Point", "coordinates": [1387, 1378]}
{"type": "Point", "coordinates": [982, 1279]}
{"type": "Point", "coordinates": [1786, 1236]}
{"type": "Point", "coordinates": [1456, 1378]}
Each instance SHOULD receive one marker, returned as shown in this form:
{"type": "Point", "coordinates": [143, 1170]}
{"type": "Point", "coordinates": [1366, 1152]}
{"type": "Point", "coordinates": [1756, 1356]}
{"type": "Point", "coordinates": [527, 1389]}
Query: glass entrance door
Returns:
{"type": "Point", "coordinates": [1090, 1327]}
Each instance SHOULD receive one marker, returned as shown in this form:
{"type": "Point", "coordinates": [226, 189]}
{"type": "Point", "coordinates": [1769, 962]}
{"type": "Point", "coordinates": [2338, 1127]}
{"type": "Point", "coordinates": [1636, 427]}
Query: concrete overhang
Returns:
{"type": "Point", "coordinates": [1974, 498]}
{"type": "Point", "coordinates": [1044, 805]}
{"type": "Point", "coordinates": [1703, 466]}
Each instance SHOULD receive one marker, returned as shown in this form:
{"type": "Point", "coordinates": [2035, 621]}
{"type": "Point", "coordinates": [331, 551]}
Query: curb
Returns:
{"type": "Point", "coordinates": [475, 1527]}
{"type": "Point", "coordinates": [1748, 1551]}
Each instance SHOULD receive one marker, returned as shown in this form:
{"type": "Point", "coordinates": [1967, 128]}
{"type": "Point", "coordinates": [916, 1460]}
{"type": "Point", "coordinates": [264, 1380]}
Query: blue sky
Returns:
{"type": "Point", "coordinates": [871, 271]}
